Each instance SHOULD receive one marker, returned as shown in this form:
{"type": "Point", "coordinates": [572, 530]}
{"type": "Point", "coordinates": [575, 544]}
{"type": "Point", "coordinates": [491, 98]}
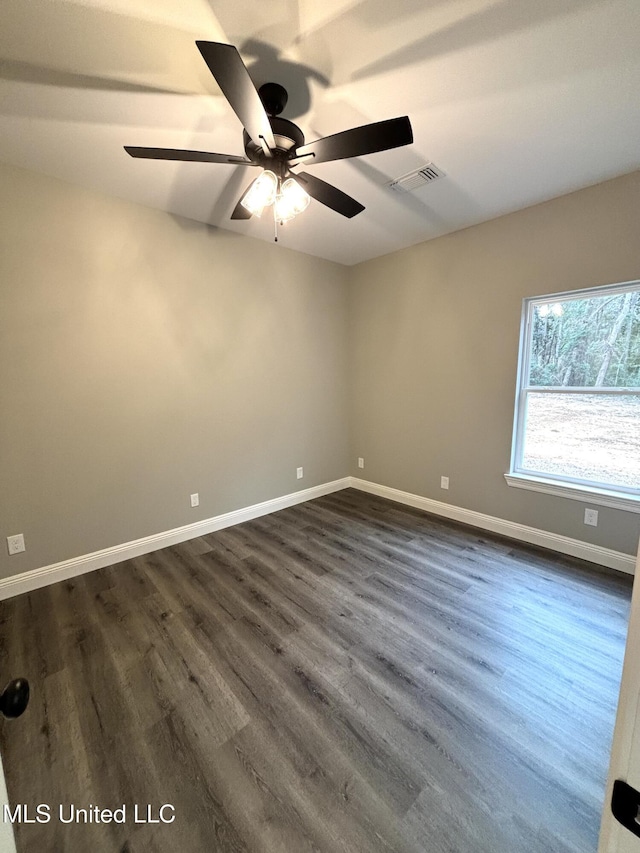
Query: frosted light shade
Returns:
{"type": "Point", "coordinates": [261, 193]}
{"type": "Point", "coordinates": [290, 201]}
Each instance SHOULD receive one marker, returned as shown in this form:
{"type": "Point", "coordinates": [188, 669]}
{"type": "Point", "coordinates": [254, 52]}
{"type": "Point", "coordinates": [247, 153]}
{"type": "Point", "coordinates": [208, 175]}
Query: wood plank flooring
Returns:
{"type": "Point", "coordinates": [345, 675]}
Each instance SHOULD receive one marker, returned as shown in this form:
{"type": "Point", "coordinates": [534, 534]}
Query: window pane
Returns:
{"type": "Point", "coordinates": [584, 436]}
{"type": "Point", "coordinates": [586, 342]}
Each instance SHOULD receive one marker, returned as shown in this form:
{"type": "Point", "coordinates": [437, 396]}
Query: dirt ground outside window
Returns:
{"type": "Point", "coordinates": [589, 437]}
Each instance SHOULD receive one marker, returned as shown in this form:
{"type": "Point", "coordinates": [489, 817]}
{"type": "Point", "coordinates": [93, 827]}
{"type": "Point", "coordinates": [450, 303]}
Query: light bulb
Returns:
{"type": "Point", "coordinates": [261, 193]}
{"type": "Point", "coordinates": [283, 210]}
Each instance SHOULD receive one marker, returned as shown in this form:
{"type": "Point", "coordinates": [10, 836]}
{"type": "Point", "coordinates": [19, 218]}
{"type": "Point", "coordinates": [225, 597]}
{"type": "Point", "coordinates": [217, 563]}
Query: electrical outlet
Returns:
{"type": "Point", "coordinates": [444, 482]}
{"type": "Point", "coordinates": [15, 544]}
{"type": "Point", "coordinates": [195, 499]}
{"type": "Point", "coordinates": [591, 517]}
{"type": "Point", "coordinates": [360, 462]}
{"type": "Point", "coordinates": [299, 473]}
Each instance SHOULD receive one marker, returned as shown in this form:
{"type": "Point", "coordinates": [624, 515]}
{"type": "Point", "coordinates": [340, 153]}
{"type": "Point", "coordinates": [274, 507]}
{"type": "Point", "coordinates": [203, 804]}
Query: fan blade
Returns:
{"type": "Point", "coordinates": [367, 139]}
{"type": "Point", "coordinates": [241, 212]}
{"type": "Point", "coordinates": [329, 195]}
{"type": "Point", "coordinates": [232, 76]}
{"type": "Point", "coordinates": [183, 154]}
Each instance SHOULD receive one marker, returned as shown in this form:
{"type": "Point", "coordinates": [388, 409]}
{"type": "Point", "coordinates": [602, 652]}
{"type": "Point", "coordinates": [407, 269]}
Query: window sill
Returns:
{"type": "Point", "coordinates": [586, 494]}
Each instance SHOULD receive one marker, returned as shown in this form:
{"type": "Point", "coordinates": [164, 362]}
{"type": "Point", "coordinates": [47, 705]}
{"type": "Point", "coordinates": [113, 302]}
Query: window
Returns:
{"type": "Point", "coordinates": [577, 423]}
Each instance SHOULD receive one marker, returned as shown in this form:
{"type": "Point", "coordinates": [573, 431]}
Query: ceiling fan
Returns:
{"type": "Point", "coordinates": [277, 145]}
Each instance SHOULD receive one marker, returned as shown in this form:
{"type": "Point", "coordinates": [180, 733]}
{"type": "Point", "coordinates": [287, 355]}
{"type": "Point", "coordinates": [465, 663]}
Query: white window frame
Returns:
{"type": "Point", "coordinates": [619, 497]}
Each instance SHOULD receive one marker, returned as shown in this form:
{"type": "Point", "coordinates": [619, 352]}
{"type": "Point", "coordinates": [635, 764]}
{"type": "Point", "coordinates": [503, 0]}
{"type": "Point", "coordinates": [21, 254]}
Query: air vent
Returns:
{"type": "Point", "coordinates": [418, 178]}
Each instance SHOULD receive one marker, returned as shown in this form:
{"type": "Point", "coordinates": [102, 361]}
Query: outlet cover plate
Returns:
{"type": "Point", "coordinates": [195, 499]}
{"type": "Point", "coordinates": [15, 544]}
{"type": "Point", "coordinates": [444, 482]}
{"type": "Point", "coordinates": [591, 517]}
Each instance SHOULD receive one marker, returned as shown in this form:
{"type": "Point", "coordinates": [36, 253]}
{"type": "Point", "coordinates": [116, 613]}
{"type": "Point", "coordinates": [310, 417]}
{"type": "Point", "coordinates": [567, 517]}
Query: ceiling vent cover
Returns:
{"type": "Point", "coordinates": [418, 178]}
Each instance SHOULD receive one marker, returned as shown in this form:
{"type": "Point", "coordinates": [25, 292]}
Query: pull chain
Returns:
{"type": "Point", "coordinates": [275, 218]}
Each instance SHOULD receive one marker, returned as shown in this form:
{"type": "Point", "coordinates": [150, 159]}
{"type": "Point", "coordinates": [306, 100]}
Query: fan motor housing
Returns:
{"type": "Point", "coordinates": [287, 135]}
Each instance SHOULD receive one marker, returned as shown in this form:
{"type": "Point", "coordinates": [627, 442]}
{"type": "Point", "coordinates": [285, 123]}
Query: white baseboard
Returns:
{"type": "Point", "coordinates": [554, 541]}
{"type": "Point", "coordinates": [36, 578]}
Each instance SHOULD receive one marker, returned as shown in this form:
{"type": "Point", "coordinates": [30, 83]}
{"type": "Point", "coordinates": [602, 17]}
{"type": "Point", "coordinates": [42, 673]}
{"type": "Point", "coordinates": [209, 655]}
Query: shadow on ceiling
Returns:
{"type": "Point", "coordinates": [82, 47]}
{"type": "Point", "coordinates": [271, 67]}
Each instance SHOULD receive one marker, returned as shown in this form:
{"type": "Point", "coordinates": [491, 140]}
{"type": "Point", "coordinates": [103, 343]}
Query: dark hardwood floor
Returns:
{"type": "Point", "coordinates": [345, 675]}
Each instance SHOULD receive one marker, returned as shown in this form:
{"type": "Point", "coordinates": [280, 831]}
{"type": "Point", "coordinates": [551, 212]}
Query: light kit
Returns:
{"type": "Point", "coordinates": [287, 197]}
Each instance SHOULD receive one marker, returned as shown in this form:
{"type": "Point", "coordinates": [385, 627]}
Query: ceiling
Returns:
{"type": "Point", "coordinates": [516, 101]}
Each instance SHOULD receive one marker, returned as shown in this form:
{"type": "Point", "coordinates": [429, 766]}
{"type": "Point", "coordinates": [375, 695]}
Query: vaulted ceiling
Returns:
{"type": "Point", "coordinates": [516, 101]}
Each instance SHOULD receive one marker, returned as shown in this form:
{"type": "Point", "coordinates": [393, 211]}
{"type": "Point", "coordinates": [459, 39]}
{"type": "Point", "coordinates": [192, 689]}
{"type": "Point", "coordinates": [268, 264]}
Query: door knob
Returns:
{"type": "Point", "coordinates": [625, 805]}
{"type": "Point", "coordinates": [15, 698]}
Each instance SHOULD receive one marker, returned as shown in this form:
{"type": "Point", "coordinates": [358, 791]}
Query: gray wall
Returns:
{"type": "Point", "coordinates": [143, 358]}
{"type": "Point", "coordinates": [434, 333]}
